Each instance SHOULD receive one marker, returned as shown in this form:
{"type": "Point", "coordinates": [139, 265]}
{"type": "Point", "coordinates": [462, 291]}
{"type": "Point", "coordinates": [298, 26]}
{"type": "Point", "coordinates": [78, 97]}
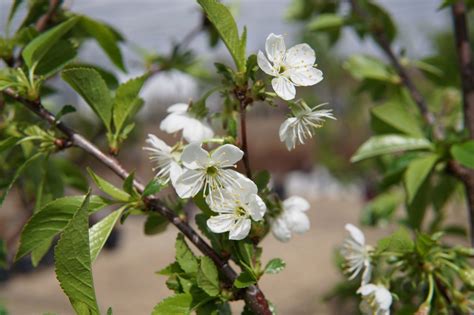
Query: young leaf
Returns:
{"type": "Point", "coordinates": [108, 188]}
{"type": "Point", "coordinates": [41, 45]}
{"type": "Point", "coordinates": [275, 266]}
{"type": "Point", "coordinates": [396, 116]}
{"type": "Point", "coordinates": [326, 22]}
{"type": "Point", "coordinates": [127, 101]}
{"type": "Point", "coordinates": [179, 304]}
{"type": "Point", "coordinates": [153, 187]}
{"type": "Point", "coordinates": [51, 219]}
{"type": "Point", "coordinates": [399, 242]}
{"type": "Point", "coordinates": [155, 223]}
{"type": "Point", "coordinates": [184, 256]}
{"type": "Point", "coordinates": [100, 232]}
{"type": "Point", "coordinates": [93, 89]}
{"type": "Point", "coordinates": [416, 173]}
{"type": "Point", "coordinates": [262, 179]}
{"type": "Point", "coordinates": [244, 280]}
{"type": "Point", "coordinates": [73, 262]}
{"type": "Point", "coordinates": [386, 144]}
{"type": "Point", "coordinates": [225, 25]}
{"type": "Point", "coordinates": [17, 174]}
{"type": "Point", "coordinates": [106, 37]}
{"type": "Point", "coordinates": [207, 277]}
{"type": "Point", "coordinates": [60, 54]}
{"type": "Point", "coordinates": [365, 67]}
{"type": "Point", "coordinates": [464, 153]}
{"type": "Point", "coordinates": [128, 184]}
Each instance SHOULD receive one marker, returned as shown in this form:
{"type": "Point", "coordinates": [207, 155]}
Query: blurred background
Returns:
{"type": "Point", "coordinates": [319, 171]}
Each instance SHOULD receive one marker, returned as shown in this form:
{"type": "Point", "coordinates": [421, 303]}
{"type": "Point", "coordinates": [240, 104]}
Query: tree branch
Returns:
{"type": "Point", "coordinates": [43, 21]}
{"type": "Point", "coordinates": [466, 69]}
{"type": "Point", "coordinates": [254, 297]}
{"type": "Point", "coordinates": [383, 42]}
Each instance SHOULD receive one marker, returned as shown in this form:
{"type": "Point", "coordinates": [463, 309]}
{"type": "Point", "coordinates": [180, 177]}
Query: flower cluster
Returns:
{"type": "Point", "coordinates": [193, 166]}
{"type": "Point", "coordinates": [376, 299]}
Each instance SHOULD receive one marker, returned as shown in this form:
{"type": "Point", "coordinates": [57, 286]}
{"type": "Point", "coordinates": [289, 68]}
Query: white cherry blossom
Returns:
{"type": "Point", "coordinates": [376, 299]}
{"type": "Point", "coordinates": [292, 67]}
{"type": "Point", "coordinates": [356, 254]}
{"type": "Point", "coordinates": [292, 219]}
{"type": "Point", "coordinates": [166, 158]}
{"type": "Point", "coordinates": [236, 207]}
{"type": "Point", "coordinates": [303, 125]}
{"type": "Point", "coordinates": [211, 172]}
{"type": "Point", "coordinates": [179, 118]}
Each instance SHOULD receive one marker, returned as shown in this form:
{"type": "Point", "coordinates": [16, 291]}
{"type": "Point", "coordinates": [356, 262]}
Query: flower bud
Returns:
{"type": "Point", "coordinates": [467, 276]}
{"type": "Point", "coordinates": [424, 309]}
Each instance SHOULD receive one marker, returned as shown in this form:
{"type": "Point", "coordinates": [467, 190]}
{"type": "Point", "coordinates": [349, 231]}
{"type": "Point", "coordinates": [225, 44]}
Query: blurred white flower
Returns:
{"type": "Point", "coordinates": [194, 129]}
{"type": "Point", "coordinates": [235, 207]}
{"type": "Point", "coordinates": [303, 125]}
{"type": "Point", "coordinates": [166, 159]}
{"type": "Point", "coordinates": [291, 68]}
{"type": "Point", "coordinates": [376, 299]}
{"type": "Point", "coordinates": [292, 218]}
{"type": "Point", "coordinates": [208, 171]}
{"type": "Point", "coordinates": [356, 254]}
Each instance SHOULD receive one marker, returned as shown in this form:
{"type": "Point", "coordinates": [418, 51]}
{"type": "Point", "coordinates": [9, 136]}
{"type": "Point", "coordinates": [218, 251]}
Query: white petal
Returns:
{"type": "Point", "coordinates": [221, 223]}
{"type": "Point", "coordinates": [300, 55]}
{"type": "Point", "coordinates": [287, 133]}
{"type": "Point", "coordinates": [284, 88]}
{"type": "Point", "coordinates": [275, 47]}
{"type": "Point", "coordinates": [356, 234]}
{"type": "Point", "coordinates": [173, 123]}
{"type": "Point", "coordinates": [240, 229]}
{"type": "Point", "coordinates": [157, 143]}
{"type": "Point", "coordinates": [280, 230]}
{"type": "Point", "coordinates": [189, 183]}
{"type": "Point", "coordinates": [296, 203]}
{"type": "Point", "coordinates": [383, 297]}
{"type": "Point", "coordinates": [245, 186]}
{"type": "Point", "coordinates": [197, 131]}
{"type": "Point", "coordinates": [265, 65]}
{"type": "Point", "coordinates": [227, 155]}
{"type": "Point", "coordinates": [194, 156]}
{"type": "Point", "coordinates": [257, 207]}
{"type": "Point", "coordinates": [178, 108]}
{"type": "Point", "coordinates": [175, 172]}
{"type": "Point", "coordinates": [305, 76]}
{"type": "Point", "coordinates": [367, 274]}
{"type": "Point", "coordinates": [297, 221]}
{"type": "Point", "coordinates": [367, 289]}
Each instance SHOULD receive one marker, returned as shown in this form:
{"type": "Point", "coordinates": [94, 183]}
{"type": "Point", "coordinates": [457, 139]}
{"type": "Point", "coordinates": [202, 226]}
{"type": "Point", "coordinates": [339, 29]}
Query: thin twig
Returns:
{"type": "Point", "coordinates": [43, 21]}
{"type": "Point", "coordinates": [254, 297]}
{"type": "Point", "coordinates": [383, 42]}
{"type": "Point", "coordinates": [243, 137]}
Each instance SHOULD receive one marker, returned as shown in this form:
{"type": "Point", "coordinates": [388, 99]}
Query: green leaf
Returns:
{"type": "Point", "coordinates": [108, 188]}
{"type": "Point", "coordinates": [155, 223]}
{"type": "Point", "coordinates": [71, 175]}
{"type": "Point", "coordinates": [17, 174]}
{"type": "Point", "coordinates": [100, 232]}
{"type": "Point", "coordinates": [416, 173]}
{"type": "Point", "coordinates": [399, 242]}
{"type": "Point", "coordinates": [326, 21]}
{"type": "Point", "coordinates": [274, 266]}
{"type": "Point", "coordinates": [153, 187]}
{"type": "Point", "coordinates": [67, 109]}
{"type": "Point", "coordinates": [38, 253]}
{"type": "Point", "coordinates": [184, 256]}
{"type": "Point", "coordinates": [126, 101]}
{"type": "Point", "coordinates": [387, 144]}
{"type": "Point", "coordinates": [262, 179]}
{"type": "Point", "coordinates": [93, 89]}
{"type": "Point", "coordinates": [73, 262]}
{"type": "Point", "coordinates": [424, 243]}
{"type": "Point", "coordinates": [106, 37]}
{"type": "Point", "coordinates": [464, 153]}
{"type": "Point", "coordinates": [207, 277]}
{"type": "Point", "coordinates": [51, 219]}
{"type": "Point", "coordinates": [8, 143]}
{"type": "Point", "coordinates": [365, 67]}
{"type": "Point", "coordinates": [41, 45]}
{"type": "Point", "coordinates": [3, 254]}
{"type": "Point", "coordinates": [179, 304]}
{"type": "Point", "coordinates": [225, 25]}
{"type": "Point", "coordinates": [170, 270]}
{"type": "Point", "coordinates": [60, 54]}
{"type": "Point", "coordinates": [128, 184]}
{"type": "Point", "coordinates": [244, 280]}
{"type": "Point", "coordinates": [396, 116]}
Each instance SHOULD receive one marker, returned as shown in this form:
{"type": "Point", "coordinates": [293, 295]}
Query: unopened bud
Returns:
{"type": "Point", "coordinates": [424, 309]}
{"type": "Point", "coordinates": [467, 276]}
